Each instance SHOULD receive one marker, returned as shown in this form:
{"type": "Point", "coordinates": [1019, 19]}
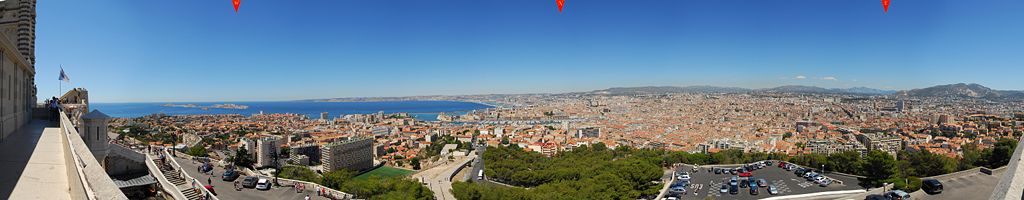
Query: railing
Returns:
{"type": "Point", "coordinates": [1012, 181]}
{"type": "Point", "coordinates": [328, 192]}
{"type": "Point", "coordinates": [165, 185]}
{"type": "Point", "coordinates": [86, 176]}
{"type": "Point", "coordinates": [195, 183]}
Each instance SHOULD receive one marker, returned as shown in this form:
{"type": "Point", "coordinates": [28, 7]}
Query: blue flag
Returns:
{"type": "Point", "coordinates": [63, 76]}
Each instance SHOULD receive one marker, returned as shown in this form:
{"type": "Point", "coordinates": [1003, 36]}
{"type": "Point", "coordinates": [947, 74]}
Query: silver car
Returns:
{"type": "Point", "coordinates": [772, 190]}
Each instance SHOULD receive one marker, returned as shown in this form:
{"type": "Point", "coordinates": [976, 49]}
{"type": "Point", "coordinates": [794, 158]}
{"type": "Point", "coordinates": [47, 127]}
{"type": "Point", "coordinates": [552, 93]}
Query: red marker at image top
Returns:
{"type": "Point", "coordinates": [236, 3]}
{"type": "Point", "coordinates": [885, 5]}
{"type": "Point", "coordinates": [561, 3]}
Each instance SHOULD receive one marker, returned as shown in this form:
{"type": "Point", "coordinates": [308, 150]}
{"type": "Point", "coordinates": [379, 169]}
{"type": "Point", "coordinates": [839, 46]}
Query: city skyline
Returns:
{"type": "Point", "coordinates": [154, 52]}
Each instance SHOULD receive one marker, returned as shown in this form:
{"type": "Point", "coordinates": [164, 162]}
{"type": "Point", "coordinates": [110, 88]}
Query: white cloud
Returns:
{"type": "Point", "coordinates": [801, 77]}
{"type": "Point", "coordinates": [829, 78]}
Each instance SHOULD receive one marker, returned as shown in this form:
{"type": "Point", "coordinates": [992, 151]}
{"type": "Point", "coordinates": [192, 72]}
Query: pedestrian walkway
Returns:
{"type": "Point", "coordinates": [32, 164]}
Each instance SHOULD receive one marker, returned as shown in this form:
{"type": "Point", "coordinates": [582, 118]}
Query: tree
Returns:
{"type": "Point", "coordinates": [909, 184]}
{"type": "Point", "coordinates": [284, 151]}
{"type": "Point", "coordinates": [877, 167]}
{"type": "Point", "coordinates": [198, 151]}
{"type": "Point", "coordinates": [415, 161]}
{"type": "Point", "coordinates": [1001, 153]}
{"type": "Point", "coordinates": [845, 162]}
{"type": "Point", "coordinates": [971, 157]}
{"type": "Point", "coordinates": [298, 173]}
{"type": "Point", "coordinates": [335, 179]}
{"type": "Point", "coordinates": [242, 158]}
{"type": "Point", "coordinates": [924, 163]}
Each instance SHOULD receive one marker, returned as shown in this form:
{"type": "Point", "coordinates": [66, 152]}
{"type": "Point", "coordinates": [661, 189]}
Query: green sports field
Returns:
{"type": "Point", "coordinates": [384, 172]}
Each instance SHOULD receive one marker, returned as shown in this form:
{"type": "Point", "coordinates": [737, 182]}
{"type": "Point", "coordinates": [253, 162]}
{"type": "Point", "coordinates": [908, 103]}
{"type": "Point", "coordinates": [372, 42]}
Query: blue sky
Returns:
{"type": "Point", "coordinates": [201, 50]}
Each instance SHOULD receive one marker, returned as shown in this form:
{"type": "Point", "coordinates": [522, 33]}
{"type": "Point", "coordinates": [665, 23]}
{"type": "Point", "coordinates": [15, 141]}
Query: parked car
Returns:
{"type": "Point", "coordinates": [683, 176]}
{"type": "Point", "coordinates": [931, 186]}
{"type": "Point", "coordinates": [229, 175]}
{"type": "Point", "coordinates": [725, 188]}
{"type": "Point", "coordinates": [898, 195]}
{"type": "Point", "coordinates": [249, 182]}
{"type": "Point", "coordinates": [734, 189]}
{"type": "Point", "coordinates": [762, 183]}
{"type": "Point", "coordinates": [824, 182]}
{"type": "Point", "coordinates": [753, 190]}
{"type": "Point", "coordinates": [744, 183]}
{"type": "Point", "coordinates": [819, 178]}
{"type": "Point", "coordinates": [876, 197]}
{"type": "Point", "coordinates": [772, 190]}
{"type": "Point", "coordinates": [746, 174]}
{"type": "Point", "coordinates": [752, 183]}
{"type": "Point", "coordinates": [734, 180]}
{"type": "Point", "coordinates": [809, 174]}
{"type": "Point", "coordinates": [263, 184]}
{"type": "Point", "coordinates": [798, 171]}
{"type": "Point", "coordinates": [677, 189]}
{"type": "Point", "coordinates": [718, 171]}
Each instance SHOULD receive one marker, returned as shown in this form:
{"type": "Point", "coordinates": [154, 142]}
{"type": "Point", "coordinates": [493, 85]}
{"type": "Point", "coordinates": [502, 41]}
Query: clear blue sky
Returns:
{"type": "Point", "coordinates": [201, 50]}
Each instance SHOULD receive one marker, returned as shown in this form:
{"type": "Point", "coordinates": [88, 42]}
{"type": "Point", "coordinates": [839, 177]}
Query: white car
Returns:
{"type": "Point", "coordinates": [824, 182]}
{"type": "Point", "coordinates": [684, 176]}
{"type": "Point", "coordinates": [263, 184]}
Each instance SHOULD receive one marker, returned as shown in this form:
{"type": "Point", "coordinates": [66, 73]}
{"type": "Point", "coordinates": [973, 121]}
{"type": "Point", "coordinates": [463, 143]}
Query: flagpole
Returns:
{"type": "Point", "coordinates": [59, 82]}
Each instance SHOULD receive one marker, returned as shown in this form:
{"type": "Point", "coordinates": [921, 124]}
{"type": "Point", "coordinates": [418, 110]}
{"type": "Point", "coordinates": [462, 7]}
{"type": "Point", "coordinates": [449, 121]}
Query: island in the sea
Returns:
{"type": "Point", "coordinates": [220, 106]}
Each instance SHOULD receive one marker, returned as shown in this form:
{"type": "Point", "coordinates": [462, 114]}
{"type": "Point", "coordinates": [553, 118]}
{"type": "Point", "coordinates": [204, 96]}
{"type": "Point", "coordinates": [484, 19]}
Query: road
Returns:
{"type": "Point", "coordinates": [225, 189]}
{"type": "Point", "coordinates": [437, 178]}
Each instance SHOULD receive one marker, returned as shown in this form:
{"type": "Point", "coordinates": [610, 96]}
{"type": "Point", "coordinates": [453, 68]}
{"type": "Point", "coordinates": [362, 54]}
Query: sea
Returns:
{"type": "Point", "coordinates": [421, 110]}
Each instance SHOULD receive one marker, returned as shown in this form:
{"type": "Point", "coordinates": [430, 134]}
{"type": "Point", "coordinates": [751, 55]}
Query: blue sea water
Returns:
{"type": "Point", "coordinates": [422, 110]}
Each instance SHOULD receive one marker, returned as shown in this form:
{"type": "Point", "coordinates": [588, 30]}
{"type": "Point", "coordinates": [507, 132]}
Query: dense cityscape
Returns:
{"type": "Point", "coordinates": [511, 100]}
{"type": "Point", "coordinates": [808, 128]}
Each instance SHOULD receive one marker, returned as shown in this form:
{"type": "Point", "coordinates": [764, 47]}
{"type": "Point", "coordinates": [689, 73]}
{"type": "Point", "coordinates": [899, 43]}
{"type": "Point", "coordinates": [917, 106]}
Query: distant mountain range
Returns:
{"type": "Point", "coordinates": [963, 90]}
{"type": "Point", "coordinates": [715, 89]}
{"type": "Point", "coordinates": [959, 90]}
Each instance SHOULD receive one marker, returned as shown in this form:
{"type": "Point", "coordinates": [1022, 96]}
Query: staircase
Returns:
{"type": "Point", "coordinates": [180, 183]}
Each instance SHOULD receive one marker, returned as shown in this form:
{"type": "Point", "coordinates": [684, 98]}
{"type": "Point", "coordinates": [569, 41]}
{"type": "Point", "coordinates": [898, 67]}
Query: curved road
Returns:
{"type": "Point", "coordinates": [437, 178]}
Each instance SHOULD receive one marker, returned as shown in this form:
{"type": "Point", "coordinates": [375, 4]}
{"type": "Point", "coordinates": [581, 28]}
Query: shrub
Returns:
{"type": "Point", "coordinates": [909, 184]}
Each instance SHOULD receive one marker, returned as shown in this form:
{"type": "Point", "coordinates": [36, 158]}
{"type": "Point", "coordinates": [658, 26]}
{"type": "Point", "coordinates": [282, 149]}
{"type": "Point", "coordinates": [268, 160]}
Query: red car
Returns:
{"type": "Point", "coordinates": [746, 174]}
{"type": "Point", "coordinates": [782, 164]}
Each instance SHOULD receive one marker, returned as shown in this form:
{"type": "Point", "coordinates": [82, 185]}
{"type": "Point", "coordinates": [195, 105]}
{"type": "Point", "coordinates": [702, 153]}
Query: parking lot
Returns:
{"type": "Point", "coordinates": [705, 183]}
{"type": "Point", "coordinates": [225, 190]}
